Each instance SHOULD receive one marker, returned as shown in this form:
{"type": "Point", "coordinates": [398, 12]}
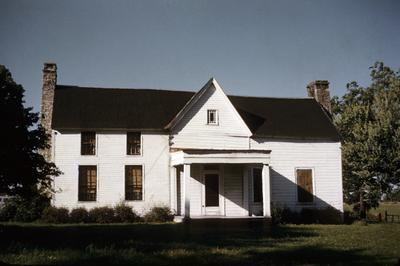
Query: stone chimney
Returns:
{"type": "Point", "coordinates": [319, 90]}
{"type": "Point", "coordinates": [49, 85]}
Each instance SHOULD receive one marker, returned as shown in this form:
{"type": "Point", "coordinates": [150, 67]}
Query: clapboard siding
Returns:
{"type": "Point", "coordinates": [111, 159]}
{"type": "Point", "coordinates": [193, 132]}
{"type": "Point", "coordinates": [323, 157]}
{"type": "Point", "coordinates": [196, 183]}
{"type": "Point", "coordinates": [233, 188]}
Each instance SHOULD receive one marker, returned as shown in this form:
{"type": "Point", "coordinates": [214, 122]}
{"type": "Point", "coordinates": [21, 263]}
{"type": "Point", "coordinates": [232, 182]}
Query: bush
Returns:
{"type": "Point", "coordinates": [308, 216]}
{"type": "Point", "coordinates": [55, 215]}
{"type": "Point", "coordinates": [125, 214]}
{"type": "Point", "coordinates": [101, 215]}
{"type": "Point", "coordinates": [276, 214]}
{"type": "Point", "coordinates": [349, 217]}
{"type": "Point", "coordinates": [327, 215]}
{"type": "Point", "coordinates": [79, 215]}
{"type": "Point", "coordinates": [283, 215]}
{"type": "Point", "coordinates": [19, 209]}
{"type": "Point", "coordinates": [159, 214]}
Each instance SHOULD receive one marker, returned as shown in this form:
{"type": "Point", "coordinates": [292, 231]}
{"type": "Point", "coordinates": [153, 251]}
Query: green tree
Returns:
{"type": "Point", "coordinates": [23, 170]}
{"type": "Point", "coordinates": [368, 119]}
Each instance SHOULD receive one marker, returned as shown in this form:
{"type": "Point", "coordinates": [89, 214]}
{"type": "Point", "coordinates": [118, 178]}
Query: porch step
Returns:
{"type": "Point", "coordinates": [178, 219]}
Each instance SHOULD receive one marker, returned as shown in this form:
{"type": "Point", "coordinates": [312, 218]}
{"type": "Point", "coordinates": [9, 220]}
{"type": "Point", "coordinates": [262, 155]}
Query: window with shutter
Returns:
{"type": "Point", "coordinates": [87, 183]}
{"type": "Point", "coordinates": [304, 186]}
{"type": "Point", "coordinates": [133, 182]}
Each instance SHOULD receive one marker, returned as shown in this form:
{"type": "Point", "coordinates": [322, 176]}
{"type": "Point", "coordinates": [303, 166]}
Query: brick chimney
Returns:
{"type": "Point", "coordinates": [49, 85]}
{"type": "Point", "coordinates": [319, 90]}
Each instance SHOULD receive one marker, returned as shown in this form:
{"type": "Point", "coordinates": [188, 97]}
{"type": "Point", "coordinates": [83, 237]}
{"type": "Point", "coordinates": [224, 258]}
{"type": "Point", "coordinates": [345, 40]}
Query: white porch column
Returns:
{"type": "Point", "coordinates": [266, 189]}
{"type": "Point", "coordinates": [173, 194]}
{"type": "Point", "coordinates": [185, 192]}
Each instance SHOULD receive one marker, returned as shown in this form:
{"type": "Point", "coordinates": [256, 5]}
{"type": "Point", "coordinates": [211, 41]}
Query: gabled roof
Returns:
{"type": "Point", "coordinates": [196, 96]}
{"type": "Point", "coordinates": [211, 84]}
{"type": "Point", "coordinates": [100, 108]}
{"type": "Point", "coordinates": [86, 108]}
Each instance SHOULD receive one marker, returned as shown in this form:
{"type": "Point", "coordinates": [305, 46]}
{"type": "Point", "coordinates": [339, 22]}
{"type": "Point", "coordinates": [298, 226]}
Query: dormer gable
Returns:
{"type": "Point", "coordinates": [209, 120]}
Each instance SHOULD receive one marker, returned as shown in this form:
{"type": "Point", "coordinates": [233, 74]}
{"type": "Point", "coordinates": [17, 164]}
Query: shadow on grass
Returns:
{"type": "Point", "coordinates": [195, 243]}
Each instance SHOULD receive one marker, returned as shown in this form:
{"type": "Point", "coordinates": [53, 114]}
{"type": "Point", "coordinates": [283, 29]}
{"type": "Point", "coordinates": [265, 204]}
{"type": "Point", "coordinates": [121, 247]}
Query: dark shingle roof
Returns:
{"type": "Point", "coordinates": [99, 108]}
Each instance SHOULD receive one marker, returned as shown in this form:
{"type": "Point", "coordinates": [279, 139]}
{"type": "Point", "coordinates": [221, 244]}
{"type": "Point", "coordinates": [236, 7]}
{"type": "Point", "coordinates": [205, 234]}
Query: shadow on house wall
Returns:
{"type": "Point", "coordinates": [284, 193]}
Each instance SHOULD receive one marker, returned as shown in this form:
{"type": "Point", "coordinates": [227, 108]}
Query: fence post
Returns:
{"type": "Point", "coordinates": [386, 216]}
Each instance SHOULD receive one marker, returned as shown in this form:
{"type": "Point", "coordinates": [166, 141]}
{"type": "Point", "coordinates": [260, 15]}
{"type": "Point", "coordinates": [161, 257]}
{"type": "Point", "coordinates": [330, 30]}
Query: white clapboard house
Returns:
{"type": "Point", "coordinates": [202, 153]}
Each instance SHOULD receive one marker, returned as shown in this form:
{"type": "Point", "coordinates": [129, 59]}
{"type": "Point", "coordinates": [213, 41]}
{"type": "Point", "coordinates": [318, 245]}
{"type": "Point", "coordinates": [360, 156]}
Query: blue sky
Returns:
{"type": "Point", "coordinates": [260, 48]}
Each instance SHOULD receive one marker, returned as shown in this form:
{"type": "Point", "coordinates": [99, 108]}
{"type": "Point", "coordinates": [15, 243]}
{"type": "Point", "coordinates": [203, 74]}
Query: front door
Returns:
{"type": "Point", "coordinates": [211, 194]}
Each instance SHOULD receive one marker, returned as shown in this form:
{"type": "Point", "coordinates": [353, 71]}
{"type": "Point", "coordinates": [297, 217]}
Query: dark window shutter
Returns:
{"type": "Point", "coordinates": [304, 185]}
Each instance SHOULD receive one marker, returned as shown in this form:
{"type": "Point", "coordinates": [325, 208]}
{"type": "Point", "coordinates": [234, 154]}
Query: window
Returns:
{"type": "Point", "coordinates": [304, 185]}
{"type": "Point", "coordinates": [87, 183]}
{"type": "Point", "coordinates": [88, 143]}
{"type": "Point", "coordinates": [133, 143]}
{"type": "Point", "coordinates": [133, 182]}
{"type": "Point", "coordinates": [257, 185]}
{"type": "Point", "coordinates": [212, 117]}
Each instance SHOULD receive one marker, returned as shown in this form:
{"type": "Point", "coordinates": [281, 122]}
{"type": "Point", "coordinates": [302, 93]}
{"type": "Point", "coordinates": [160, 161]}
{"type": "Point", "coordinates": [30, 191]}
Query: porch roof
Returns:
{"type": "Point", "coordinates": [191, 156]}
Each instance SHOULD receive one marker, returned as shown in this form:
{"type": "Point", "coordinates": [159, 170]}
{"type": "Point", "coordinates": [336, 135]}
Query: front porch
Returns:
{"type": "Point", "coordinates": [220, 184]}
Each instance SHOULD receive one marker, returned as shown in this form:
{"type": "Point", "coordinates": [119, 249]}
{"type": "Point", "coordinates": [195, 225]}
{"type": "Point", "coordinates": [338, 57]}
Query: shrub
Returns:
{"type": "Point", "coordinates": [276, 214]}
{"type": "Point", "coordinates": [101, 215]}
{"type": "Point", "coordinates": [159, 214]}
{"type": "Point", "coordinates": [125, 214]}
{"type": "Point", "coordinates": [79, 215]}
{"type": "Point", "coordinates": [308, 216]}
{"type": "Point", "coordinates": [8, 210]}
{"type": "Point", "coordinates": [349, 217]}
{"type": "Point", "coordinates": [23, 210]}
{"type": "Point", "coordinates": [283, 215]}
{"type": "Point", "coordinates": [55, 215]}
{"type": "Point", "coordinates": [327, 215]}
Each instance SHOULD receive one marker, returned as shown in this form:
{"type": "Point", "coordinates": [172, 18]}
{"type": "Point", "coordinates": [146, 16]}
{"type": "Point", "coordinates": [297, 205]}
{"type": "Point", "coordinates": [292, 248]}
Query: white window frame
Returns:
{"type": "Point", "coordinates": [209, 122]}
{"type": "Point", "coordinates": [96, 145]}
{"type": "Point", "coordinates": [84, 202]}
{"type": "Point", "coordinates": [143, 184]}
{"type": "Point", "coordinates": [141, 144]}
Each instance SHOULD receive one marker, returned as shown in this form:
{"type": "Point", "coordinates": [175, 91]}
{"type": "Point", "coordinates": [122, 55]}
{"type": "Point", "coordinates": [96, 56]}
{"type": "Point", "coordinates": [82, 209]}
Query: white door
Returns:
{"type": "Point", "coordinates": [211, 194]}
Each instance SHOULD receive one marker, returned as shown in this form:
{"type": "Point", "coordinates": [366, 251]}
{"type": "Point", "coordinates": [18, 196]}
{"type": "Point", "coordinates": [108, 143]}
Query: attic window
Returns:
{"type": "Point", "coordinates": [212, 117]}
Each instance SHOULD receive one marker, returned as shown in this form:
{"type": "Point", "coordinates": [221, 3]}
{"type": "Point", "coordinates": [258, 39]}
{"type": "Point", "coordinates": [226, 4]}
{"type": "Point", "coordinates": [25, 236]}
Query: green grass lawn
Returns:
{"type": "Point", "coordinates": [205, 243]}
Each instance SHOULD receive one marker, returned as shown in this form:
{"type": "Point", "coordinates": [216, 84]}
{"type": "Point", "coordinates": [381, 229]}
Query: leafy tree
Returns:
{"type": "Point", "coordinates": [368, 119]}
{"type": "Point", "coordinates": [23, 170]}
